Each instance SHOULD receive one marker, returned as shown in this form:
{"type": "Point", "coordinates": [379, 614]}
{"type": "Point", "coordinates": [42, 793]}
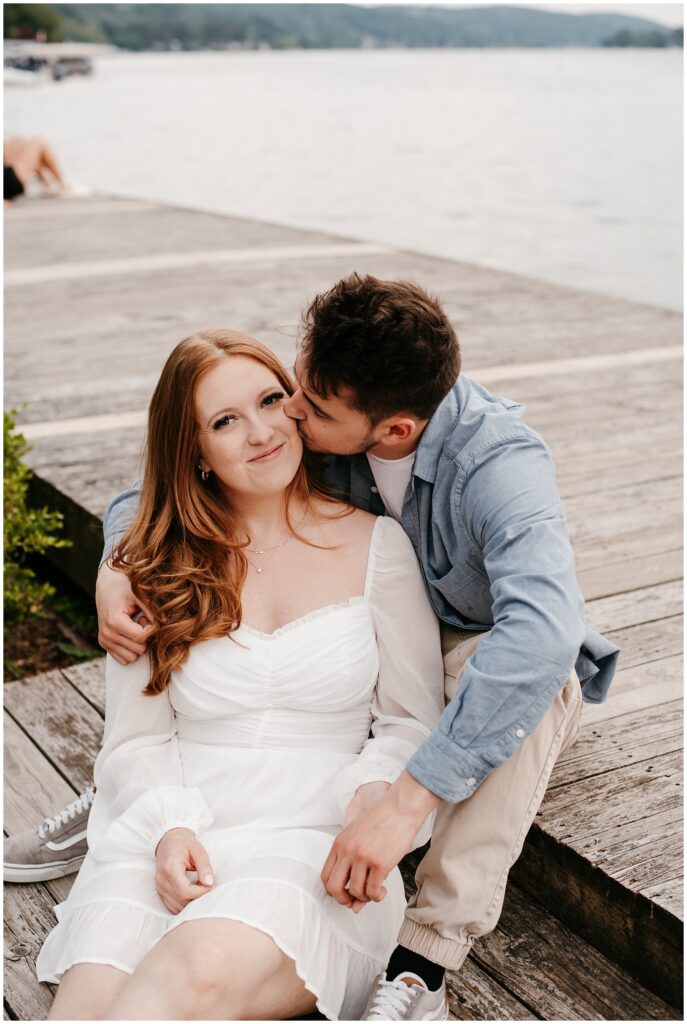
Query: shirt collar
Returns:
{"type": "Point", "coordinates": [433, 437]}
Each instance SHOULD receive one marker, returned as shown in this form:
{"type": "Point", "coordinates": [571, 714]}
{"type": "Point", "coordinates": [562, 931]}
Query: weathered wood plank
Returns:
{"type": "Point", "coordinates": [62, 724]}
{"type": "Point", "coordinates": [658, 682]}
{"type": "Point", "coordinates": [33, 789]}
{"type": "Point", "coordinates": [649, 641]}
{"type": "Point", "coordinates": [474, 995]}
{"type": "Point", "coordinates": [644, 868]}
{"type": "Point", "coordinates": [630, 573]}
{"type": "Point", "coordinates": [647, 604]}
{"type": "Point", "coordinates": [599, 805]}
{"type": "Point", "coordinates": [89, 679]}
{"type": "Point", "coordinates": [613, 744]}
{"type": "Point", "coordinates": [613, 476]}
{"type": "Point", "coordinates": [627, 544]}
{"type": "Point", "coordinates": [28, 917]}
{"type": "Point", "coordinates": [611, 847]}
{"type": "Point", "coordinates": [670, 896]}
{"type": "Point", "coordinates": [531, 953]}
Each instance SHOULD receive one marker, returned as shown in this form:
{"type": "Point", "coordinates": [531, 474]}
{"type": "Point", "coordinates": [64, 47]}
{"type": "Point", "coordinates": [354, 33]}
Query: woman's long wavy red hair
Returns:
{"type": "Point", "coordinates": [184, 552]}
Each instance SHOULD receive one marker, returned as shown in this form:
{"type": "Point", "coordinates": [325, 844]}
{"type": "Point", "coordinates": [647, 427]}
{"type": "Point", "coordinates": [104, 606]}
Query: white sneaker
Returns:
{"type": "Point", "coordinates": [395, 1000]}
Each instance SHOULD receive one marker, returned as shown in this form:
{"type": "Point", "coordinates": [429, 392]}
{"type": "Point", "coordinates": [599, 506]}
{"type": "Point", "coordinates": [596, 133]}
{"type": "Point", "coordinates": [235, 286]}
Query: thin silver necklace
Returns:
{"type": "Point", "coordinates": [271, 551]}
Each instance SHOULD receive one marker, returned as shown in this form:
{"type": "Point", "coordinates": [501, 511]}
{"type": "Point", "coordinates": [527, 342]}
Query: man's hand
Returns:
{"type": "Point", "coordinates": [364, 798]}
{"type": "Point", "coordinates": [373, 843]}
{"type": "Point", "coordinates": [178, 852]}
{"type": "Point", "coordinates": [121, 636]}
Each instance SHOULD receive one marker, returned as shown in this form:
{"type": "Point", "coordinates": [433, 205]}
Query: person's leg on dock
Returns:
{"type": "Point", "coordinates": [461, 881]}
{"type": "Point", "coordinates": [87, 991]}
{"type": "Point", "coordinates": [33, 156]}
{"type": "Point", "coordinates": [213, 969]}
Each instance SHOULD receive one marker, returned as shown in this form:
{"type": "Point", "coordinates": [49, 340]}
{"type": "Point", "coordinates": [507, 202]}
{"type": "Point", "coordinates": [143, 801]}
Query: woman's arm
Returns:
{"type": "Point", "coordinates": [409, 697]}
{"type": "Point", "coordinates": [408, 702]}
{"type": "Point", "coordinates": [140, 791]}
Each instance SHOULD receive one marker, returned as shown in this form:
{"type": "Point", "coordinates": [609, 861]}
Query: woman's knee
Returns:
{"type": "Point", "coordinates": [193, 963]}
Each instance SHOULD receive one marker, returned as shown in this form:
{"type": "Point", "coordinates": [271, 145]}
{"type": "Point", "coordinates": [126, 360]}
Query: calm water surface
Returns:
{"type": "Point", "coordinates": [560, 164]}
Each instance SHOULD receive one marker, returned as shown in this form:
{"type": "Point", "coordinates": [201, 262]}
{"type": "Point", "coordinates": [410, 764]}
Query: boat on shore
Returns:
{"type": "Point", "coordinates": [28, 62]}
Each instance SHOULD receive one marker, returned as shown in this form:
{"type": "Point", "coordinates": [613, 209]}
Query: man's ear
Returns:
{"type": "Point", "coordinates": [398, 429]}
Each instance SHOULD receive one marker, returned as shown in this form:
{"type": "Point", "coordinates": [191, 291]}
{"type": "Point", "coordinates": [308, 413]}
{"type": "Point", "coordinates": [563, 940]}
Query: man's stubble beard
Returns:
{"type": "Point", "coordinates": [365, 446]}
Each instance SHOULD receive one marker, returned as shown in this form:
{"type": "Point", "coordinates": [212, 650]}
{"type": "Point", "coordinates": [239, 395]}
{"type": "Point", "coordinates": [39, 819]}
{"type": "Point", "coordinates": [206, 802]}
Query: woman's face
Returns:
{"type": "Point", "coordinates": [244, 436]}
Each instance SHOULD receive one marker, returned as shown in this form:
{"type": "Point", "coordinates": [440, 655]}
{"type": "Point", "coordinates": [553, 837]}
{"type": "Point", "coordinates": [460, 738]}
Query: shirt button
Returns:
{"type": "Point", "coordinates": [520, 733]}
{"type": "Point", "coordinates": [375, 490]}
{"type": "Point", "coordinates": [470, 782]}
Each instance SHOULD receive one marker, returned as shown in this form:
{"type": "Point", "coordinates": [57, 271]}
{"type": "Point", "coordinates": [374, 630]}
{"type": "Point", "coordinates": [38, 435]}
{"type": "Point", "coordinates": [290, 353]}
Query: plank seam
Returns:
{"type": "Point", "coordinates": [81, 694]}
{"type": "Point", "coordinates": [608, 771]}
{"type": "Point", "coordinates": [43, 752]}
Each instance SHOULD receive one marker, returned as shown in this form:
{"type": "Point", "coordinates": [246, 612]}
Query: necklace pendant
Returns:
{"type": "Point", "coordinates": [258, 570]}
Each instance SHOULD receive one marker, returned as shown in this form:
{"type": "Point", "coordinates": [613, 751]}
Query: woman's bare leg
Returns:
{"type": "Point", "coordinates": [213, 969]}
{"type": "Point", "coordinates": [33, 156]}
{"type": "Point", "coordinates": [86, 992]}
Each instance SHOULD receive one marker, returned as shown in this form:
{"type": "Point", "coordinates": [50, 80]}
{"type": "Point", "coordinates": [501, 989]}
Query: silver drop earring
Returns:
{"type": "Point", "coordinates": [204, 474]}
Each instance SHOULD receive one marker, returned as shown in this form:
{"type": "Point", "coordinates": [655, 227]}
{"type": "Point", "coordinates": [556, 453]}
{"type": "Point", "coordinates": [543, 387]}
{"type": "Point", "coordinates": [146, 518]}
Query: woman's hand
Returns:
{"type": "Point", "coordinates": [121, 635]}
{"type": "Point", "coordinates": [178, 852]}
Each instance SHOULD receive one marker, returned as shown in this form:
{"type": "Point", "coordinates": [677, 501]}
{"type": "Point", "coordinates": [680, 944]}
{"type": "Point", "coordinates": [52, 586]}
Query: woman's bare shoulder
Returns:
{"type": "Point", "coordinates": [348, 523]}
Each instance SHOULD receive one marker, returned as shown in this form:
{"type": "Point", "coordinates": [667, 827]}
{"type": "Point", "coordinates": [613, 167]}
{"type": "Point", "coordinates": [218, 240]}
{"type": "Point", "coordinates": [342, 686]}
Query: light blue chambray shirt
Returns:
{"type": "Point", "coordinates": [483, 513]}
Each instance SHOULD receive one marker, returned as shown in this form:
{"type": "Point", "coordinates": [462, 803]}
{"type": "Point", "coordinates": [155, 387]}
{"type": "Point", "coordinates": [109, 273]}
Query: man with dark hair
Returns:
{"type": "Point", "coordinates": [473, 486]}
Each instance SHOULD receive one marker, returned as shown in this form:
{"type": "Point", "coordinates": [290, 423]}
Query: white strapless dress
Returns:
{"type": "Point", "coordinates": [258, 746]}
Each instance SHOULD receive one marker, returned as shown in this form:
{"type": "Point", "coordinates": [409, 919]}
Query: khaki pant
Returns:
{"type": "Point", "coordinates": [461, 882]}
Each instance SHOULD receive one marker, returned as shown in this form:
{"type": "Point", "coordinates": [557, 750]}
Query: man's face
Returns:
{"type": "Point", "coordinates": [328, 425]}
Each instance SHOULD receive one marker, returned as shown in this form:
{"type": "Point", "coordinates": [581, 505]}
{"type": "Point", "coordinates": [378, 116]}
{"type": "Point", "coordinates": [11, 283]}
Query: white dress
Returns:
{"type": "Point", "coordinates": [257, 746]}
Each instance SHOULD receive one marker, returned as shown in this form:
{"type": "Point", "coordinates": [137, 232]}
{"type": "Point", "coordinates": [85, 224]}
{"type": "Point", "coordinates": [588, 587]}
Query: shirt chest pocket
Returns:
{"type": "Point", "coordinates": [466, 589]}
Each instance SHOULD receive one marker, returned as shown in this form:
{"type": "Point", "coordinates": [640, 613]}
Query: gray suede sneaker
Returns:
{"type": "Point", "coordinates": [56, 848]}
{"type": "Point", "coordinates": [395, 1000]}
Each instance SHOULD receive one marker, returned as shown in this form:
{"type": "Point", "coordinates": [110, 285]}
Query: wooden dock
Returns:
{"type": "Point", "coordinates": [97, 293]}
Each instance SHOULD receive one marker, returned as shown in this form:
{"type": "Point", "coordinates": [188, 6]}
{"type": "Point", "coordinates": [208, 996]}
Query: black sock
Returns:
{"type": "Point", "coordinates": [404, 960]}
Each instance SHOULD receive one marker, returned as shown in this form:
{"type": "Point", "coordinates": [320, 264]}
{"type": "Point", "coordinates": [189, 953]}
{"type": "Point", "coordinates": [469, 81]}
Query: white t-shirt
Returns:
{"type": "Point", "coordinates": [392, 477]}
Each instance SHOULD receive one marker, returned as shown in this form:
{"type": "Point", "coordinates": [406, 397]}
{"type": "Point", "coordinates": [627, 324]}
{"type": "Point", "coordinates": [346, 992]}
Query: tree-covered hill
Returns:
{"type": "Point", "coordinates": [141, 26]}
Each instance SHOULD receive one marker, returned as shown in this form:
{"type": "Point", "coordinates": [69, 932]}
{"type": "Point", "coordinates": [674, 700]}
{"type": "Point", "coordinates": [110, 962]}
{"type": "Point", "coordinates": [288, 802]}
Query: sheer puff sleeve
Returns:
{"type": "Point", "coordinates": [140, 792]}
{"type": "Point", "coordinates": [409, 697]}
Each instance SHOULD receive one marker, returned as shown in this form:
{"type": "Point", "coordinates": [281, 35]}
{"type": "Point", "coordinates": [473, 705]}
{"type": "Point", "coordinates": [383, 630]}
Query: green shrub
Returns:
{"type": "Point", "coordinates": [27, 531]}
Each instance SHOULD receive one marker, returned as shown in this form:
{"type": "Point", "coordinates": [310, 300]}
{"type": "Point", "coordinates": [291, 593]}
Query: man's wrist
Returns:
{"type": "Point", "coordinates": [413, 799]}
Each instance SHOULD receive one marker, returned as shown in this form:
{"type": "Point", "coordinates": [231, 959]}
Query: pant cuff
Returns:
{"type": "Point", "coordinates": [422, 939]}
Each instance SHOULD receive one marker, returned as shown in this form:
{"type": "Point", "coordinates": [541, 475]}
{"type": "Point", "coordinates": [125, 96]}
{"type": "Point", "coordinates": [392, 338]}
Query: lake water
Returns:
{"type": "Point", "coordinates": [559, 164]}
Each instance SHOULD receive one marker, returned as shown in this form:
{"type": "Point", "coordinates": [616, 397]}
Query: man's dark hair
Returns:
{"type": "Point", "coordinates": [389, 342]}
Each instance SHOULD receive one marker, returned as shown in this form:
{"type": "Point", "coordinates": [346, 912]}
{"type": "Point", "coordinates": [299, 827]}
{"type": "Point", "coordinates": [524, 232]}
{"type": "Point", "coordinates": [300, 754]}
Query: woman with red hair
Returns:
{"type": "Point", "coordinates": [286, 624]}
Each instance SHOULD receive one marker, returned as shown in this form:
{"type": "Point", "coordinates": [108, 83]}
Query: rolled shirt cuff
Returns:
{"type": "Point", "coordinates": [446, 769]}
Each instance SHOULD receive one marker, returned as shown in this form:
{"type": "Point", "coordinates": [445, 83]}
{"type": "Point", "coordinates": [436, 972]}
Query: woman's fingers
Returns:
{"type": "Point", "coordinates": [172, 880]}
{"type": "Point", "coordinates": [201, 863]}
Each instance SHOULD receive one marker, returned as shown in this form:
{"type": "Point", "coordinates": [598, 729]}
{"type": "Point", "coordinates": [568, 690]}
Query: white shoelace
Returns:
{"type": "Point", "coordinates": [78, 806]}
{"type": "Point", "coordinates": [391, 1000]}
